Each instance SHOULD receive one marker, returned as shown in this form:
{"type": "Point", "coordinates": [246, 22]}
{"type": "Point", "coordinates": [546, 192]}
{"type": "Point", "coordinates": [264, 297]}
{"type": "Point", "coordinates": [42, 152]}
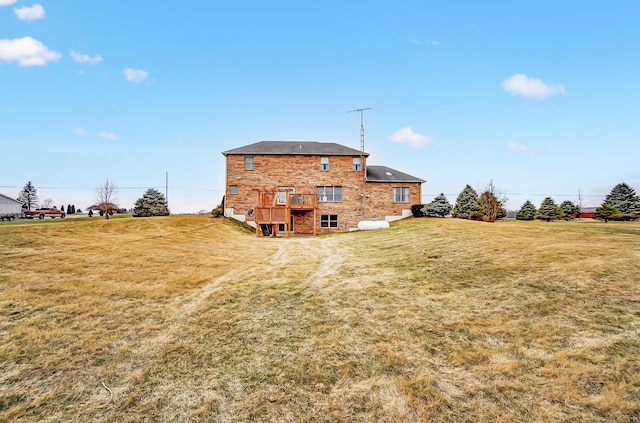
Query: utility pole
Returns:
{"type": "Point", "coordinates": [364, 171]}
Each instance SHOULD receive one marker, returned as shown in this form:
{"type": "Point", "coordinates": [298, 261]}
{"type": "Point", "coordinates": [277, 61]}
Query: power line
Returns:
{"type": "Point", "coordinates": [121, 188]}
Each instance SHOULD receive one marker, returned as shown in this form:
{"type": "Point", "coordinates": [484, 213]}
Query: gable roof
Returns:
{"type": "Point", "coordinates": [306, 148]}
{"type": "Point", "coordinates": [386, 174]}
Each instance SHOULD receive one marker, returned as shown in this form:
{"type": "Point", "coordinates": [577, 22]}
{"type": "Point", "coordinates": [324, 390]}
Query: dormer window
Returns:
{"type": "Point", "coordinates": [324, 163]}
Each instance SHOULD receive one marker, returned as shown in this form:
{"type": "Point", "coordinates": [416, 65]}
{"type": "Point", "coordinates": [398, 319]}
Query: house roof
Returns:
{"type": "Point", "coordinates": [296, 147]}
{"type": "Point", "coordinates": [9, 198]}
{"type": "Point", "coordinates": [386, 174]}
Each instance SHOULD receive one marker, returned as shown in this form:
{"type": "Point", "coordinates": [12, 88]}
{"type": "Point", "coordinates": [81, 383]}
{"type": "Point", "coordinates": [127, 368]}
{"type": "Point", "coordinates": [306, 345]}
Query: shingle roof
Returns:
{"type": "Point", "coordinates": [296, 147]}
{"type": "Point", "coordinates": [386, 174]}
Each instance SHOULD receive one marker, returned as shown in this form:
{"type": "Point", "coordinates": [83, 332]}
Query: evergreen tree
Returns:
{"type": "Point", "coordinates": [73, 209]}
{"type": "Point", "coordinates": [527, 211]}
{"type": "Point", "coordinates": [29, 196]}
{"type": "Point", "coordinates": [467, 205]}
{"type": "Point", "coordinates": [152, 203]}
{"type": "Point", "coordinates": [440, 206]}
{"type": "Point", "coordinates": [549, 210]}
{"type": "Point", "coordinates": [606, 212]}
{"type": "Point", "coordinates": [62, 207]}
{"type": "Point", "coordinates": [569, 209]}
{"type": "Point", "coordinates": [624, 198]}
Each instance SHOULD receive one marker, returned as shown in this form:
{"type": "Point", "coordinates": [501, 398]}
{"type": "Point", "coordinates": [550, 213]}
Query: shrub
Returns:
{"type": "Point", "coordinates": [416, 210]}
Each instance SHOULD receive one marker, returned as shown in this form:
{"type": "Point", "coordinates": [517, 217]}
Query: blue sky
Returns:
{"type": "Point", "coordinates": [542, 99]}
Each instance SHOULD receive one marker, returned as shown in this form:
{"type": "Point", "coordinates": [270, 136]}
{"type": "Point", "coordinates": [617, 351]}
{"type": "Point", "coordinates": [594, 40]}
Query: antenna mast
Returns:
{"type": "Point", "coordinates": [364, 172]}
{"type": "Point", "coordinates": [361, 110]}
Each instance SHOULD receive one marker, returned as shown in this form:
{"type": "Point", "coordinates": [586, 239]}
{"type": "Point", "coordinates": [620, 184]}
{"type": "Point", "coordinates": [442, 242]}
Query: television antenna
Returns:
{"type": "Point", "coordinates": [361, 111]}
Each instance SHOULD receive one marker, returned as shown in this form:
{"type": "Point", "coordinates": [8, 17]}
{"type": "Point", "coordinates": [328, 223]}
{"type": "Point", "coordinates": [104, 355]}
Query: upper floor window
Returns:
{"type": "Point", "coordinates": [357, 163]}
{"type": "Point", "coordinates": [233, 189]}
{"type": "Point", "coordinates": [400, 195]}
{"type": "Point", "coordinates": [248, 162]}
{"type": "Point", "coordinates": [324, 163]}
{"type": "Point", "coordinates": [330, 194]}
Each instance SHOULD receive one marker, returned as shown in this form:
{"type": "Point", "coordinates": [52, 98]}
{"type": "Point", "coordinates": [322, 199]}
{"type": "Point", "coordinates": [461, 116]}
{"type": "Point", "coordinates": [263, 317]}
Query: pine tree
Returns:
{"type": "Point", "coordinates": [549, 210]}
{"type": "Point", "coordinates": [606, 212]}
{"type": "Point", "coordinates": [152, 203]}
{"type": "Point", "coordinates": [29, 196]}
{"type": "Point", "coordinates": [624, 198]}
{"type": "Point", "coordinates": [569, 209]}
{"type": "Point", "coordinates": [440, 206]}
{"type": "Point", "coordinates": [73, 209]}
{"type": "Point", "coordinates": [62, 207]}
{"type": "Point", "coordinates": [467, 205]}
{"type": "Point", "coordinates": [527, 211]}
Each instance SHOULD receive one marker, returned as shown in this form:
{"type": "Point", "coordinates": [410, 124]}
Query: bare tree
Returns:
{"type": "Point", "coordinates": [580, 206]}
{"type": "Point", "coordinates": [47, 202]}
{"type": "Point", "coordinates": [493, 202]}
{"type": "Point", "coordinates": [105, 198]}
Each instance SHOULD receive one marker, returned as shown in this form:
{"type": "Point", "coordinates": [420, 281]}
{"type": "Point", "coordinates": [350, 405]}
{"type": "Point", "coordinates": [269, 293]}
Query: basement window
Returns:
{"type": "Point", "coordinates": [328, 220]}
{"type": "Point", "coordinates": [233, 189]}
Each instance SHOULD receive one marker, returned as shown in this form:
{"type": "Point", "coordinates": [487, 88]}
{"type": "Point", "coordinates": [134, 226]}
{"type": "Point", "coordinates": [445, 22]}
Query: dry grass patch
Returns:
{"type": "Point", "coordinates": [195, 319]}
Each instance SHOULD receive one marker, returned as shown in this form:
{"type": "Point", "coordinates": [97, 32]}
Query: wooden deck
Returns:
{"type": "Point", "coordinates": [274, 207]}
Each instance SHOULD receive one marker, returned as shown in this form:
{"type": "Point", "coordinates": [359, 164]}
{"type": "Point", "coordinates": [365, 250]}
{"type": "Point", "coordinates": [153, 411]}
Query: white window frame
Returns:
{"type": "Point", "coordinates": [357, 163]}
{"type": "Point", "coordinates": [401, 195]}
{"type": "Point", "coordinates": [324, 163]}
{"type": "Point", "coordinates": [248, 162]}
{"type": "Point", "coordinates": [233, 189]}
{"type": "Point", "coordinates": [282, 194]}
{"type": "Point", "coordinates": [329, 194]}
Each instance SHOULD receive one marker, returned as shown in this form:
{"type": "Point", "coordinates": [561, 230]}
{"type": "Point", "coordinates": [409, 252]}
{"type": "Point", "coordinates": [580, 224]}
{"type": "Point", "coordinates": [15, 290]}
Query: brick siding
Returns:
{"type": "Point", "coordinates": [303, 173]}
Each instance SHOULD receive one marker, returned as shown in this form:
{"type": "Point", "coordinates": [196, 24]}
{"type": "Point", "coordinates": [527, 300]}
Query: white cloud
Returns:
{"type": "Point", "coordinates": [27, 52]}
{"type": "Point", "coordinates": [406, 135]}
{"type": "Point", "coordinates": [135, 75]}
{"type": "Point", "coordinates": [80, 132]}
{"type": "Point", "coordinates": [108, 135]}
{"type": "Point", "coordinates": [6, 2]}
{"type": "Point", "coordinates": [85, 58]}
{"type": "Point", "coordinates": [530, 87]}
{"type": "Point", "coordinates": [32, 13]}
{"type": "Point", "coordinates": [421, 43]}
{"type": "Point", "coordinates": [512, 145]}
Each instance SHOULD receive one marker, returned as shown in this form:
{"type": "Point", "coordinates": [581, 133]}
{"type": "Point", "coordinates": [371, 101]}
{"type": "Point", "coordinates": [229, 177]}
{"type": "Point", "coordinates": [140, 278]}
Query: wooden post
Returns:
{"type": "Point", "coordinates": [314, 221]}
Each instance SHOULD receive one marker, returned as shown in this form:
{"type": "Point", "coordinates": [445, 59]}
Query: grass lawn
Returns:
{"type": "Point", "coordinates": [194, 319]}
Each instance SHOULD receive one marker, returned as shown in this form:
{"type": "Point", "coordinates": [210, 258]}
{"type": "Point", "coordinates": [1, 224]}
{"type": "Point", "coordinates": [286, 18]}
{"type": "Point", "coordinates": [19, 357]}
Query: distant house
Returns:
{"type": "Point", "coordinates": [10, 209]}
{"type": "Point", "coordinates": [587, 212]}
{"type": "Point", "coordinates": [313, 187]}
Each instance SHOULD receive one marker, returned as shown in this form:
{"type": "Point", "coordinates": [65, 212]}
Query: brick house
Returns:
{"type": "Point", "coordinates": [313, 187]}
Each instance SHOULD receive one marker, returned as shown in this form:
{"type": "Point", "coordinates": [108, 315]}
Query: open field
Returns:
{"type": "Point", "coordinates": [194, 319]}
